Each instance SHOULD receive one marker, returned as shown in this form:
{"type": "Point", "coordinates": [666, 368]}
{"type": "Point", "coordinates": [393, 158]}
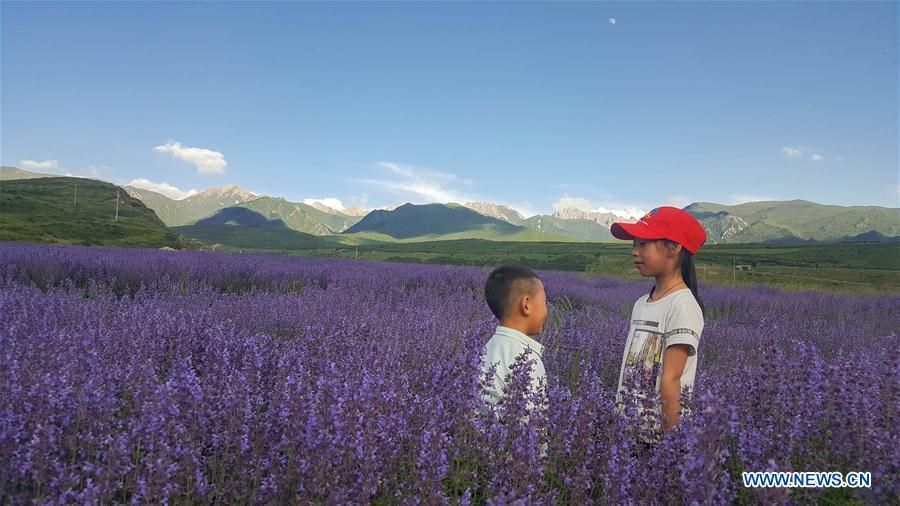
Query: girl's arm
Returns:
{"type": "Point", "coordinates": [674, 359]}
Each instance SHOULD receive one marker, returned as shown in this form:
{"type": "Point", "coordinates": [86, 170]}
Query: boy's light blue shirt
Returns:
{"type": "Point", "coordinates": [502, 349]}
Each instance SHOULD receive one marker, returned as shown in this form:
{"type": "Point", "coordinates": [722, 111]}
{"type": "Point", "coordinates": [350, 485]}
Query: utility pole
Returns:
{"type": "Point", "coordinates": [76, 194]}
{"type": "Point", "coordinates": [117, 203]}
{"type": "Point", "coordinates": [357, 251]}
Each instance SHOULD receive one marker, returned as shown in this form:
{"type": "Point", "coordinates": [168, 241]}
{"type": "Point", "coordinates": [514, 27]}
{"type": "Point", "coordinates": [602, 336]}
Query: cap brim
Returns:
{"type": "Point", "coordinates": [627, 231]}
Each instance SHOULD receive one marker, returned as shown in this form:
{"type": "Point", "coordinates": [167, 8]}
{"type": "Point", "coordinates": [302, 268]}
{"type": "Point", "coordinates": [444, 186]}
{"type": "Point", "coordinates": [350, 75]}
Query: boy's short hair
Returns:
{"type": "Point", "coordinates": [505, 283]}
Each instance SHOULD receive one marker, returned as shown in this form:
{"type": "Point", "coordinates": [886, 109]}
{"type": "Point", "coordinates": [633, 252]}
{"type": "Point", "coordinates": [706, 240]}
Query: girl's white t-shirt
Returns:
{"type": "Point", "coordinates": [674, 319]}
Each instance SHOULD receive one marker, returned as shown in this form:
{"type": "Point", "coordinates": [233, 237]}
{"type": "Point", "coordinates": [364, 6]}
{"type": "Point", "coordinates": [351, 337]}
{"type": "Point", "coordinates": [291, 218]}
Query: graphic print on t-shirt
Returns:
{"type": "Point", "coordinates": [643, 357]}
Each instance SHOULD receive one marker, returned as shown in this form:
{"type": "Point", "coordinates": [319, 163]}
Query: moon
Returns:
{"type": "Point", "coordinates": [612, 21]}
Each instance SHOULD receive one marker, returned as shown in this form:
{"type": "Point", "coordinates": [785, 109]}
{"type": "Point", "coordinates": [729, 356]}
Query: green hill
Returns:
{"type": "Point", "coordinates": [266, 228]}
{"type": "Point", "coordinates": [240, 216]}
{"type": "Point", "coordinates": [255, 237]}
{"type": "Point", "coordinates": [209, 201]}
{"type": "Point", "coordinates": [771, 222]}
{"type": "Point", "coordinates": [427, 222]}
{"type": "Point", "coordinates": [787, 221]}
{"type": "Point", "coordinates": [586, 230]}
{"type": "Point", "coordinates": [172, 212]}
{"type": "Point", "coordinates": [73, 210]}
{"type": "Point", "coordinates": [241, 227]}
{"type": "Point", "coordinates": [199, 205]}
{"type": "Point", "coordinates": [9, 173]}
{"type": "Point", "coordinates": [299, 217]}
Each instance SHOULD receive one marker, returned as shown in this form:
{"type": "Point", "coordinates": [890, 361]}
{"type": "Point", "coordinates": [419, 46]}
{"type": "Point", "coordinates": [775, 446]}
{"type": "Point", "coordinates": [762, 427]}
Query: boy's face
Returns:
{"type": "Point", "coordinates": [539, 309]}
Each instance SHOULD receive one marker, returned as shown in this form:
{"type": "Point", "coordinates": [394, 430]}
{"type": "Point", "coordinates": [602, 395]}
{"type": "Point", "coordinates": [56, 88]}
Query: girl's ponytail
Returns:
{"type": "Point", "coordinates": [689, 274]}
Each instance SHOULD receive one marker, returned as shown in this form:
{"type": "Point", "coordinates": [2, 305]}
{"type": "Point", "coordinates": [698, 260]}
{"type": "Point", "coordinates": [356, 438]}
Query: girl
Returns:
{"type": "Point", "coordinates": [661, 349]}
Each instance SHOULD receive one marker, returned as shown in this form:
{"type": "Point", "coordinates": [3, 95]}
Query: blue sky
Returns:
{"type": "Point", "coordinates": [535, 105]}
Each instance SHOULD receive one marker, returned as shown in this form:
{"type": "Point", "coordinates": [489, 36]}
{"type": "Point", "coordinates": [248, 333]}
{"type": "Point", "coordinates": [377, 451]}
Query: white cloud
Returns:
{"type": "Point", "coordinates": [206, 160]}
{"type": "Point", "coordinates": [331, 202]}
{"type": "Point", "coordinates": [421, 184]}
{"type": "Point", "coordinates": [792, 151]}
{"type": "Point", "coordinates": [96, 171]}
{"type": "Point", "coordinates": [361, 201]}
{"type": "Point", "coordinates": [802, 151]}
{"type": "Point", "coordinates": [678, 201]}
{"type": "Point", "coordinates": [628, 211]}
{"type": "Point", "coordinates": [45, 165]}
{"type": "Point", "coordinates": [173, 192]}
{"type": "Point", "coordinates": [526, 209]}
{"type": "Point", "coordinates": [569, 202]}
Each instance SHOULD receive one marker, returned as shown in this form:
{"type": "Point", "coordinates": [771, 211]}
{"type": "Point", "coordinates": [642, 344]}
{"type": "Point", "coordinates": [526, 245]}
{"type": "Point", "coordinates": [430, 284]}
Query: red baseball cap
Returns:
{"type": "Point", "coordinates": [664, 222]}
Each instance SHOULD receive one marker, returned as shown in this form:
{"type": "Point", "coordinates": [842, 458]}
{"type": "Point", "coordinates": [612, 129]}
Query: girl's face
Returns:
{"type": "Point", "coordinates": [652, 256]}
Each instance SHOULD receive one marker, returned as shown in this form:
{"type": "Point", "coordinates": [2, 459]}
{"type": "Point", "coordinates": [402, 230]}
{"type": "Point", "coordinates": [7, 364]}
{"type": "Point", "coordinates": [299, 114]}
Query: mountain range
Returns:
{"type": "Point", "coordinates": [296, 216]}
{"type": "Point", "coordinates": [774, 222]}
{"type": "Point", "coordinates": [445, 221]}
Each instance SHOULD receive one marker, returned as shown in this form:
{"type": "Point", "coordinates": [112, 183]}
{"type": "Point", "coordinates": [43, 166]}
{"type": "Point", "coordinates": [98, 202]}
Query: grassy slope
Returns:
{"type": "Point", "coordinates": [9, 173]}
{"type": "Point", "coordinates": [44, 210]}
{"type": "Point", "coordinates": [585, 230]}
{"type": "Point", "coordinates": [275, 238]}
{"type": "Point", "coordinates": [172, 212]}
{"type": "Point", "coordinates": [827, 267]}
{"type": "Point", "coordinates": [806, 220]}
{"type": "Point", "coordinates": [443, 222]}
{"type": "Point", "coordinates": [300, 217]}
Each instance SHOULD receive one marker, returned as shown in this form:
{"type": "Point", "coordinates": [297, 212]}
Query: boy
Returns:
{"type": "Point", "coordinates": [516, 297]}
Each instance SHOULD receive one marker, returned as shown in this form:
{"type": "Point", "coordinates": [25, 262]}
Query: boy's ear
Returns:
{"type": "Point", "coordinates": [525, 305]}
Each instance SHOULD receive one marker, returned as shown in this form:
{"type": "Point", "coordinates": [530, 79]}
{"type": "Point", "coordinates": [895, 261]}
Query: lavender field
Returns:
{"type": "Point", "coordinates": [145, 376]}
